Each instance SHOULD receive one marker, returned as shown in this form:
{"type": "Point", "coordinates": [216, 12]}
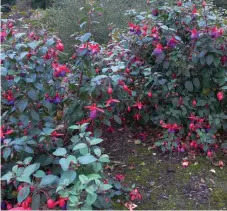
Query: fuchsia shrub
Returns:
{"type": "Point", "coordinates": [167, 69]}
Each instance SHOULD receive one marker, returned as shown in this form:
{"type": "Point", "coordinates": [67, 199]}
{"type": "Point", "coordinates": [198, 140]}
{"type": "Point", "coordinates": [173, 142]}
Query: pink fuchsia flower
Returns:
{"type": "Point", "coordinates": [111, 101]}
{"type": "Point", "coordinates": [119, 177]}
{"type": "Point", "coordinates": [138, 104]}
{"type": "Point", "coordinates": [179, 3]}
{"type": "Point", "coordinates": [172, 42]}
{"type": "Point", "coordinates": [137, 117]}
{"type": "Point", "coordinates": [135, 195]}
{"type": "Point", "coordinates": [158, 50]}
{"type": "Point", "coordinates": [194, 34]}
{"type": "Point", "coordinates": [4, 132]}
{"type": "Point", "coordinates": [220, 96]}
{"type": "Point", "coordinates": [215, 32]}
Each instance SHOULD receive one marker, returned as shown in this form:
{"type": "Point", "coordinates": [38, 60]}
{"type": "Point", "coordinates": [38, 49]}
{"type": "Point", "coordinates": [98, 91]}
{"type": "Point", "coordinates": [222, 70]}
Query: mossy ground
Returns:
{"type": "Point", "coordinates": [165, 184]}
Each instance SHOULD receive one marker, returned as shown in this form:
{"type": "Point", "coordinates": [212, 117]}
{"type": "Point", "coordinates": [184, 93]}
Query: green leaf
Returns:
{"type": "Point", "coordinates": [196, 82]}
{"type": "Point", "coordinates": [8, 176]}
{"type": "Point", "coordinates": [91, 198]}
{"type": "Point", "coordinates": [32, 94]}
{"type": "Point", "coordinates": [86, 159]}
{"type": "Point", "coordinates": [97, 151]}
{"type": "Point", "coordinates": [83, 179]}
{"type": "Point", "coordinates": [35, 115]}
{"type": "Point", "coordinates": [67, 178]}
{"type": "Point", "coordinates": [39, 174]}
{"type": "Point", "coordinates": [60, 152]}
{"type": "Point", "coordinates": [27, 160]}
{"type": "Point", "coordinates": [85, 37]}
{"type": "Point", "coordinates": [23, 194]}
{"type": "Point", "coordinates": [209, 59]}
{"type": "Point", "coordinates": [33, 45]}
{"type": "Point", "coordinates": [64, 164]}
{"type": "Point", "coordinates": [16, 79]}
{"type": "Point", "coordinates": [24, 179]}
{"type": "Point", "coordinates": [189, 86]}
{"type": "Point", "coordinates": [35, 201]}
{"type": "Point", "coordinates": [6, 153]}
{"type": "Point", "coordinates": [79, 146]}
{"type": "Point", "coordinates": [29, 170]}
{"type": "Point", "coordinates": [104, 159]}
{"type": "Point", "coordinates": [47, 131]}
{"type": "Point", "coordinates": [48, 180]}
{"type": "Point", "coordinates": [22, 104]}
{"type": "Point", "coordinates": [107, 187]}
{"type": "Point", "coordinates": [74, 127]}
{"type": "Point", "coordinates": [96, 141]}
{"type": "Point", "coordinates": [50, 42]}
{"type": "Point", "coordinates": [117, 119]}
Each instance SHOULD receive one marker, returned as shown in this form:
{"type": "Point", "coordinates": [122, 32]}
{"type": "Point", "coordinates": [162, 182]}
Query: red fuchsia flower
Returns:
{"type": "Point", "coordinates": [194, 34]}
{"type": "Point", "coordinates": [94, 48]}
{"type": "Point", "coordinates": [110, 90]}
{"type": "Point", "coordinates": [60, 70]}
{"type": "Point", "coordinates": [194, 102]}
{"type": "Point", "coordinates": [128, 108]}
{"type": "Point", "coordinates": [149, 94]}
{"type": "Point", "coordinates": [9, 97]}
{"type": "Point", "coordinates": [215, 32]}
{"type": "Point", "coordinates": [4, 132]}
{"type": "Point", "coordinates": [170, 127]}
{"type": "Point", "coordinates": [158, 50]}
{"type": "Point", "coordinates": [209, 153]}
{"type": "Point", "coordinates": [119, 177]}
{"type": "Point", "coordinates": [135, 195]}
{"type": "Point", "coordinates": [194, 10]}
{"type": "Point", "coordinates": [224, 60]}
{"type": "Point", "coordinates": [125, 88]}
{"type": "Point", "coordinates": [59, 46]}
{"type": "Point", "coordinates": [179, 3]}
{"type": "Point", "coordinates": [93, 107]}
{"type": "Point", "coordinates": [84, 121]}
{"type": "Point", "coordinates": [138, 104]}
{"type": "Point", "coordinates": [155, 12]}
{"type": "Point", "coordinates": [3, 35]}
{"type": "Point", "coordinates": [111, 101]}
{"type": "Point", "coordinates": [110, 129]}
{"type": "Point", "coordinates": [93, 110]}
{"type": "Point", "coordinates": [57, 98]}
{"type": "Point", "coordinates": [145, 27]}
{"type": "Point", "coordinates": [172, 42]}
{"type": "Point", "coordinates": [55, 134]}
{"type": "Point", "coordinates": [137, 117]}
{"type": "Point", "coordinates": [220, 96]}
{"type": "Point", "coordinates": [134, 28]}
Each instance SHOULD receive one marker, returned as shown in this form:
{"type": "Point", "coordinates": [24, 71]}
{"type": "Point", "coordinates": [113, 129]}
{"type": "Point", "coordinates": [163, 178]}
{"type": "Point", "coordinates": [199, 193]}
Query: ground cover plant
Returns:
{"type": "Point", "coordinates": [167, 70]}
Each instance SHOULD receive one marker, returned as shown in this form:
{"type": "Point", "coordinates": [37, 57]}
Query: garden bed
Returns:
{"type": "Point", "coordinates": [162, 180]}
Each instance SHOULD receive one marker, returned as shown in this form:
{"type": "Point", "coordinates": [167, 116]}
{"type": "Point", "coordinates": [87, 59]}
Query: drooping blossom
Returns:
{"type": "Point", "coordinates": [111, 101]}
{"type": "Point", "coordinates": [220, 96]}
{"type": "Point", "coordinates": [4, 132]}
{"type": "Point", "coordinates": [158, 50]}
{"type": "Point", "coordinates": [194, 34]}
{"type": "Point", "coordinates": [60, 70]}
{"type": "Point", "coordinates": [138, 104]}
{"type": "Point", "coordinates": [135, 195]}
{"type": "Point", "coordinates": [172, 42]}
{"type": "Point", "coordinates": [119, 177]}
